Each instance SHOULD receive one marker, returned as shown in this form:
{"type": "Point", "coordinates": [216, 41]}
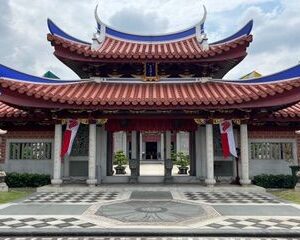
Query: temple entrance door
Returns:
{"type": "Point", "coordinates": [151, 150]}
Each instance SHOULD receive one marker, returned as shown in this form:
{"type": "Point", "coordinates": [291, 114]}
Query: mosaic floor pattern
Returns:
{"type": "Point", "coordinates": [255, 223]}
{"type": "Point", "coordinates": [154, 211]}
{"type": "Point", "coordinates": [48, 222]}
{"type": "Point", "coordinates": [72, 197]}
{"type": "Point", "coordinates": [230, 197]}
{"type": "Point", "coordinates": [238, 223]}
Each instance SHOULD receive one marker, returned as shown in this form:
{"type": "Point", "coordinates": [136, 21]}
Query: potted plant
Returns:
{"type": "Point", "coordinates": [2, 176]}
{"type": "Point", "coordinates": [295, 169]}
{"type": "Point", "coordinates": [3, 185]}
{"type": "Point", "coordinates": [182, 162]}
{"type": "Point", "coordinates": [120, 160]}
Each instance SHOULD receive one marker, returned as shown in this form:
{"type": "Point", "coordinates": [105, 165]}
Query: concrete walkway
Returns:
{"type": "Point", "coordinates": [151, 210]}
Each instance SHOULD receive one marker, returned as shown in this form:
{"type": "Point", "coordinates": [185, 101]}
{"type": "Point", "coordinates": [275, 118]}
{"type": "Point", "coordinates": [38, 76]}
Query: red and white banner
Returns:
{"type": "Point", "coordinates": [69, 136]}
{"type": "Point", "coordinates": [227, 138]}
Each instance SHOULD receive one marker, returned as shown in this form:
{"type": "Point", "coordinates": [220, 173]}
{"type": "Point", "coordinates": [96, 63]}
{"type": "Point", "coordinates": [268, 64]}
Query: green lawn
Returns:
{"type": "Point", "coordinates": [15, 194]}
{"type": "Point", "coordinates": [289, 195]}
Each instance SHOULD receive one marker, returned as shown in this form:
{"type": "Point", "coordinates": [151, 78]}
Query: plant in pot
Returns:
{"type": "Point", "coordinates": [120, 160]}
{"type": "Point", "coordinates": [2, 176]}
{"type": "Point", "coordinates": [182, 162]}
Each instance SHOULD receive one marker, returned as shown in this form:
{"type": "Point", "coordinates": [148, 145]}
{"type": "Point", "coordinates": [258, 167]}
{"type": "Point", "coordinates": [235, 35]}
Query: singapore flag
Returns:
{"type": "Point", "coordinates": [227, 138]}
{"type": "Point", "coordinates": [69, 136]}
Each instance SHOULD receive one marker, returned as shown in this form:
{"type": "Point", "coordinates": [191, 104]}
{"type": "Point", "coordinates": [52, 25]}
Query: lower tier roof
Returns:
{"type": "Point", "coordinates": [191, 95]}
{"type": "Point", "coordinates": [8, 112]}
{"type": "Point", "coordinates": [289, 112]}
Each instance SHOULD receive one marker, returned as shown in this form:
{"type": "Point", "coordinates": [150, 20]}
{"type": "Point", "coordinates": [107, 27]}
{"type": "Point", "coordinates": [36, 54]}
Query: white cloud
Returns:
{"type": "Point", "coordinates": [276, 40]}
{"type": "Point", "coordinates": [23, 28]}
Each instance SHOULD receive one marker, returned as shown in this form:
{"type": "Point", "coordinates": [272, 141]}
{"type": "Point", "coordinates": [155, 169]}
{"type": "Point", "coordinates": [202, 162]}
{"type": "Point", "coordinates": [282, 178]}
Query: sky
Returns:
{"type": "Point", "coordinates": [23, 28]}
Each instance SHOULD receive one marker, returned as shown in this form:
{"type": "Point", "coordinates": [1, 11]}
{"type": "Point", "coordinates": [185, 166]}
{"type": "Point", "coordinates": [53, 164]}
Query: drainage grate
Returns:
{"type": "Point", "coordinates": [151, 195]}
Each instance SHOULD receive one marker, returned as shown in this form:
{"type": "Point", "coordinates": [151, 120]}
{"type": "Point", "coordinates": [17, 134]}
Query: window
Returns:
{"type": "Point", "coordinates": [31, 150]}
{"type": "Point", "coordinates": [272, 150]}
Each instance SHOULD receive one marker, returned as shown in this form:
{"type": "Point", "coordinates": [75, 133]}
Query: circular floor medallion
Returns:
{"type": "Point", "coordinates": [152, 211]}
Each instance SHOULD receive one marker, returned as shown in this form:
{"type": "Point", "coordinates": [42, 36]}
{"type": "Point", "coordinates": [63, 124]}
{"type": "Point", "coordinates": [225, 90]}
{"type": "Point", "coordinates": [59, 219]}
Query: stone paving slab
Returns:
{"type": "Point", "coordinates": [257, 210]}
{"type": "Point", "coordinates": [49, 209]}
{"type": "Point", "coordinates": [159, 195]}
{"type": "Point", "coordinates": [197, 187]}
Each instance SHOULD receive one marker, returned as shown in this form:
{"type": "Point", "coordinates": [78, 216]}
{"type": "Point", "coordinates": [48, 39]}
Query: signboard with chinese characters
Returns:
{"type": "Point", "coordinates": [150, 71]}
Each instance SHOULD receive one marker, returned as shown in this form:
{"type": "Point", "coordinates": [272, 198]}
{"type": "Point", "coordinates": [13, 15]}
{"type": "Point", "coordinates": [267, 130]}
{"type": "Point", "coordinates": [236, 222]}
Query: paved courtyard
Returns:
{"type": "Point", "coordinates": [169, 209]}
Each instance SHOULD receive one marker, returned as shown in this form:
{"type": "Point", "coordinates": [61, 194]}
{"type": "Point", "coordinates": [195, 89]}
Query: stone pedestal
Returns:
{"type": "Point", "coordinates": [133, 165]}
{"type": "Point", "coordinates": [3, 187]}
{"type": "Point", "coordinates": [168, 171]}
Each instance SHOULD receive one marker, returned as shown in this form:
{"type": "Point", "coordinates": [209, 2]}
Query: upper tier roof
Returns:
{"type": "Point", "coordinates": [131, 37]}
{"type": "Point", "coordinates": [119, 49]}
{"type": "Point", "coordinates": [109, 43]}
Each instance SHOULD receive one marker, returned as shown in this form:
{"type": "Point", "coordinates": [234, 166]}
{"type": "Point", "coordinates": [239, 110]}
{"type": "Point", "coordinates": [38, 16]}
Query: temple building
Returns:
{"type": "Point", "coordinates": [149, 96]}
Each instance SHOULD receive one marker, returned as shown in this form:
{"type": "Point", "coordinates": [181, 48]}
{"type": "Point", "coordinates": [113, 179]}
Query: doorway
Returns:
{"type": "Point", "coordinates": [151, 150]}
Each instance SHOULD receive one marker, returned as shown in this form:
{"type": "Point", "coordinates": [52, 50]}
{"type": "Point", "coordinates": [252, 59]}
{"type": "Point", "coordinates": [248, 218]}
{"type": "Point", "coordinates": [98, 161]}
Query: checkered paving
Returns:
{"type": "Point", "coordinates": [230, 197]}
{"type": "Point", "coordinates": [72, 197]}
{"type": "Point", "coordinates": [50, 222]}
{"type": "Point", "coordinates": [256, 223]}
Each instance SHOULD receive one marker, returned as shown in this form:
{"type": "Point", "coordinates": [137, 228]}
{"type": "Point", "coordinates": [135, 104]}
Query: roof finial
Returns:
{"type": "Point", "coordinates": [204, 16]}
{"type": "Point", "coordinates": [99, 36]}
{"type": "Point", "coordinates": [99, 23]}
{"type": "Point", "coordinates": [200, 32]}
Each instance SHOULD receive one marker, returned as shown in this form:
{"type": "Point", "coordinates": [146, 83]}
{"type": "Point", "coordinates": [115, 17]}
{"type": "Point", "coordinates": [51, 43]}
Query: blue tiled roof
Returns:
{"type": "Point", "coordinates": [6, 72]}
{"type": "Point", "coordinates": [245, 31]}
{"type": "Point", "coordinates": [293, 72]}
{"type": "Point", "coordinates": [158, 38]}
{"type": "Point", "coordinates": [55, 30]}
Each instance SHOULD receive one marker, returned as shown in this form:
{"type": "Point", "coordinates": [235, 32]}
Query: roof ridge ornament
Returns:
{"type": "Point", "coordinates": [99, 36]}
{"type": "Point", "coordinates": [203, 79]}
{"type": "Point", "coordinates": [200, 32]}
{"type": "Point", "coordinates": [98, 79]}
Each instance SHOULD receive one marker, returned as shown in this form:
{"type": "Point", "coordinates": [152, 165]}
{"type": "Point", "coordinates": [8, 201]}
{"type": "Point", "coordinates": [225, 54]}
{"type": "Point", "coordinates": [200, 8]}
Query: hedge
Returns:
{"type": "Point", "coordinates": [18, 180]}
{"type": "Point", "coordinates": [274, 181]}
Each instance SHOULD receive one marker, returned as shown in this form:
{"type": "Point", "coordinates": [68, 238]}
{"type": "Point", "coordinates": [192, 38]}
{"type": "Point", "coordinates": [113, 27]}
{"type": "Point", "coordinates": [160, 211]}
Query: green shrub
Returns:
{"type": "Point", "coordinates": [18, 180]}
{"type": "Point", "coordinates": [120, 159]}
{"type": "Point", "coordinates": [181, 159]}
{"type": "Point", "coordinates": [274, 181]}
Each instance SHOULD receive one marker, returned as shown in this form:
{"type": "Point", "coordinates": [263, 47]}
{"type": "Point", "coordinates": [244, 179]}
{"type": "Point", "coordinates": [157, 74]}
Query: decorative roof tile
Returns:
{"type": "Point", "coordinates": [289, 112]}
{"type": "Point", "coordinates": [197, 94]}
{"type": "Point", "coordinates": [7, 111]}
{"type": "Point", "coordinates": [113, 48]}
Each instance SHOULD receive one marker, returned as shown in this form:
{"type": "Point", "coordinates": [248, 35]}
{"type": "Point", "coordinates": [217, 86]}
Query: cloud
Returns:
{"type": "Point", "coordinates": [139, 22]}
{"type": "Point", "coordinates": [23, 28]}
{"type": "Point", "coordinates": [276, 39]}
